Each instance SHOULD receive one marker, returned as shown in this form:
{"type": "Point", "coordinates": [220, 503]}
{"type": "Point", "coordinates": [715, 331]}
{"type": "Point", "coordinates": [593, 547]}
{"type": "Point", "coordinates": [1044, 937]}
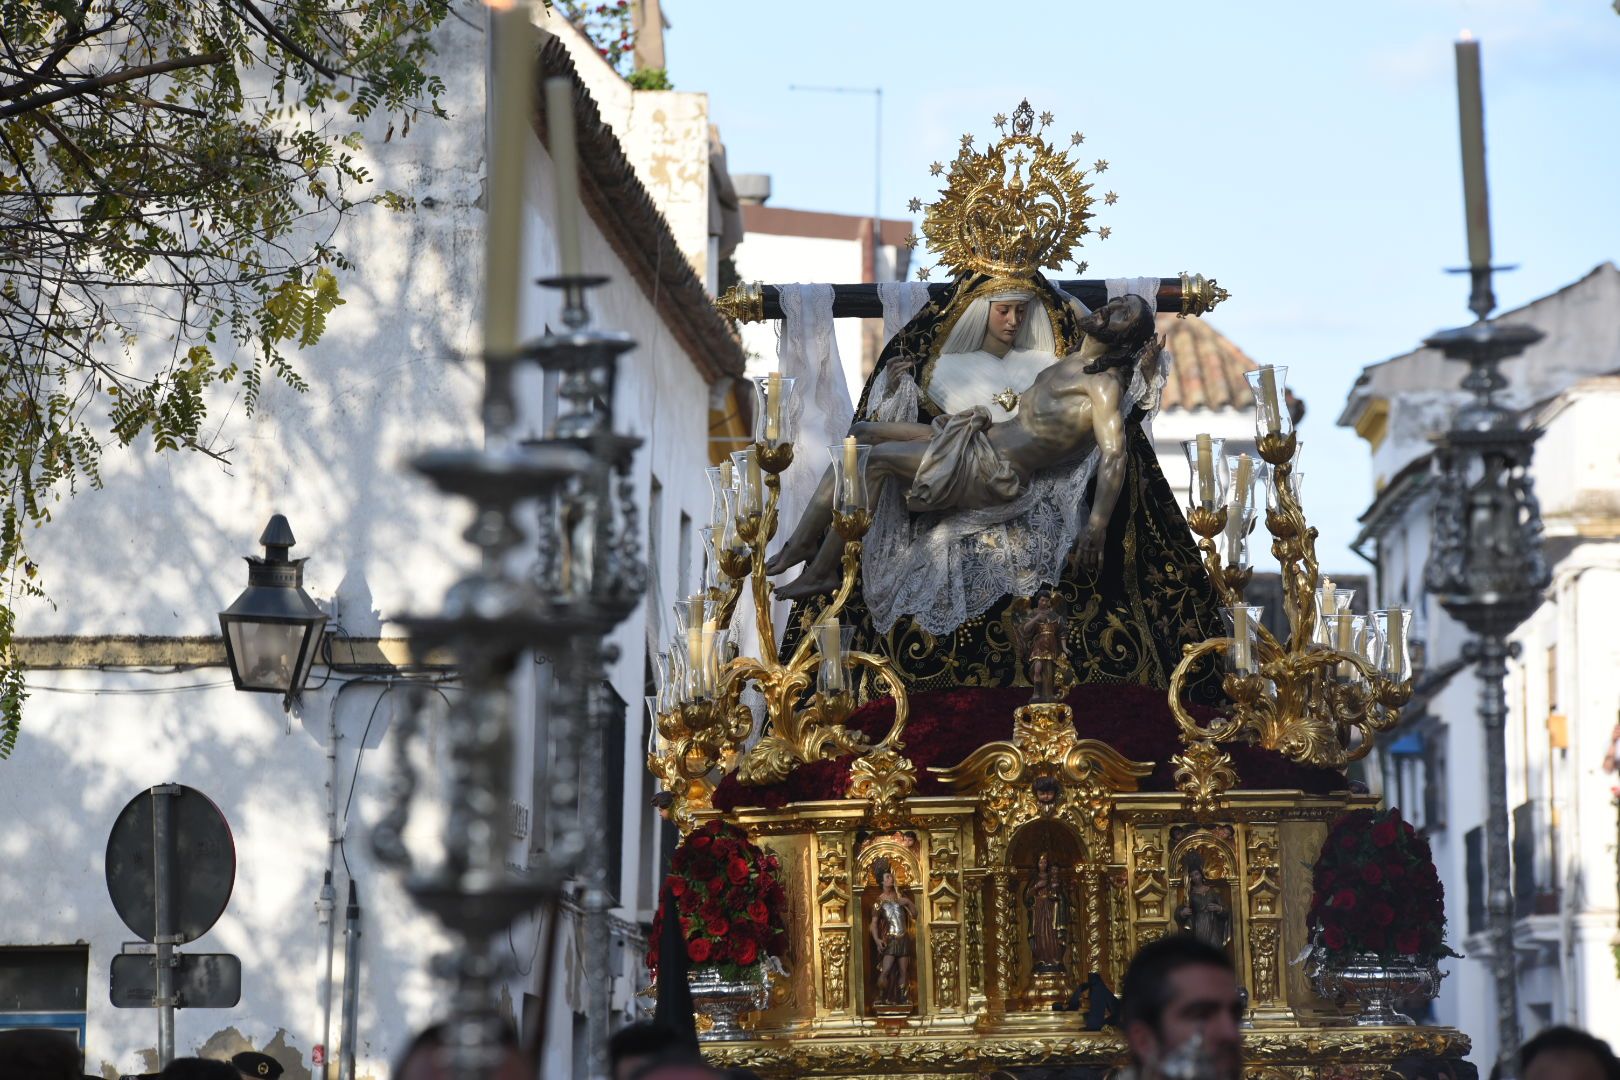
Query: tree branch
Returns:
{"type": "Point", "coordinates": [89, 86]}
{"type": "Point", "coordinates": [282, 39]}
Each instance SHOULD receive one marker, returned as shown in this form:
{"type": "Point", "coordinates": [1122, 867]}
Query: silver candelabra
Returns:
{"type": "Point", "coordinates": [573, 488]}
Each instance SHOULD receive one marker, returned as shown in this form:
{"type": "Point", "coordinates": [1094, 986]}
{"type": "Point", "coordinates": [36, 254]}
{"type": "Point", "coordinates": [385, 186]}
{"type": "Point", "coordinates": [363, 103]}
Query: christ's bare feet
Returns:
{"type": "Point", "coordinates": [798, 549]}
{"type": "Point", "coordinates": [808, 584]}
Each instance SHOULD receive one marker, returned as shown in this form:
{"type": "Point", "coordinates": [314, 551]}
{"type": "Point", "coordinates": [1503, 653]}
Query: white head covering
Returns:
{"type": "Point", "coordinates": [968, 333]}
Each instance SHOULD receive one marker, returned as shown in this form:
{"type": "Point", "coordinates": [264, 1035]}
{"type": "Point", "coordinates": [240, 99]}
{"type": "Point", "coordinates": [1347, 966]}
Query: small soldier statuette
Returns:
{"type": "Point", "coordinates": [1039, 633]}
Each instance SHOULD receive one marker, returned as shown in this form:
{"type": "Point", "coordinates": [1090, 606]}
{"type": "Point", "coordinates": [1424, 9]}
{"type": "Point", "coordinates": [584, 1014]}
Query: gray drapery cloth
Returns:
{"type": "Point", "coordinates": [960, 469]}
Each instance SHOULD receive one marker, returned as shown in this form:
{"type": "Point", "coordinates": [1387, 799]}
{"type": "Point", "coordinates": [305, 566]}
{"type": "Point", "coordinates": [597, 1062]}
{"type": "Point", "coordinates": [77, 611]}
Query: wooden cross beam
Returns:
{"type": "Point", "coordinates": [1186, 294]}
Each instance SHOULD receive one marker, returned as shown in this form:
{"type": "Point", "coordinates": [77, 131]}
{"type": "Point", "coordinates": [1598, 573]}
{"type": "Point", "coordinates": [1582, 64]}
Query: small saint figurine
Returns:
{"type": "Point", "coordinates": [1048, 918]}
{"type": "Point", "coordinates": [892, 917]}
{"type": "Point", "coordinates": [1040, 633]}
{"type": "Point", "coordinates": [1205, 914]}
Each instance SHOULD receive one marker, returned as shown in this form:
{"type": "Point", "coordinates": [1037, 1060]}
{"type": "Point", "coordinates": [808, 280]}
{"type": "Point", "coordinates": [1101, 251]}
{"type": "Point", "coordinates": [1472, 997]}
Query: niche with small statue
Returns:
{"type": "Point", "coordinates": [1045, 853]}
{"type": "Point", "coordinates": [889, 875]}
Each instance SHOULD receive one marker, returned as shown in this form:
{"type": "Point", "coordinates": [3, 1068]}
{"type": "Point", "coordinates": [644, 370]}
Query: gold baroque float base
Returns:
{"type": "Point", "coordinates": [1299, 1053]}
{"type": "Point", "coordinates": [1045, 864]}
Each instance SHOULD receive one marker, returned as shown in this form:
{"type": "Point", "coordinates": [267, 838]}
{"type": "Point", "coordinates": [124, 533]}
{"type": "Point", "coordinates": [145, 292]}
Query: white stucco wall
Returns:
{"type": "Point", "coordinates": [159, 553]}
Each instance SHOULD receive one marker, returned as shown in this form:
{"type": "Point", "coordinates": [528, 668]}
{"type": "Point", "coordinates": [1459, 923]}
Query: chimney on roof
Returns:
{"type": "Point", "coordinates": [753, 189]}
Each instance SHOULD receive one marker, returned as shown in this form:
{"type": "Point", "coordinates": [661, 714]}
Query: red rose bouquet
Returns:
{"type": "Point", "coordinates": [1375, 890]}
{"type": "Point", "coordinates": [729, 897]}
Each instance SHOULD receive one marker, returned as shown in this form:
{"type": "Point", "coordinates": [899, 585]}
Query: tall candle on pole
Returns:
{"type": "Point", "coordinates": [1476, 195]}
{"type": "Point", "coordinates": [510, 105]}
{"type": "Point", "coordinates": [565, 165]}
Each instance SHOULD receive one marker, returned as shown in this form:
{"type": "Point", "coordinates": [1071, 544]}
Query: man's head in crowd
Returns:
{"type": "Point", "coordinates": [1178, 989]}
{"type": "Point", "coordinates": [1565, 1053]}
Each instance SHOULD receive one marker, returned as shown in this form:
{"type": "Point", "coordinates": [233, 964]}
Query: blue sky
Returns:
{"type": "Point", "coordinates": [1304, 154]}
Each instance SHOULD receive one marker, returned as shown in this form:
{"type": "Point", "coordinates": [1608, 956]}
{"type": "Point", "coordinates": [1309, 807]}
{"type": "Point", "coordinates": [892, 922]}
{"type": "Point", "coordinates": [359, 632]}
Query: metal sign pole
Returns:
{"type": "Point", "coordinates": [163, 918]}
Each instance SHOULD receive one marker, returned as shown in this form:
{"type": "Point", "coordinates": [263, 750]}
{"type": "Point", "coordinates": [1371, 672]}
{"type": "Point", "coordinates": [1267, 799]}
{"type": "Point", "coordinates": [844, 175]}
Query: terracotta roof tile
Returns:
{"type": "Point", "coordinates": [1207, 369]}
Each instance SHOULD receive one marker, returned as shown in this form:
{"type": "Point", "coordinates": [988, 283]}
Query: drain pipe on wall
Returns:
{"type": "Point", "coordinates": [351, 983]}
{"type": "Point", "coordinates": [326, 904]}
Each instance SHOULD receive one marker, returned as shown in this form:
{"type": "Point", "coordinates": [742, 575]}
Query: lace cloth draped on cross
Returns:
{"type": "Point", "coordinates": [807, 350]}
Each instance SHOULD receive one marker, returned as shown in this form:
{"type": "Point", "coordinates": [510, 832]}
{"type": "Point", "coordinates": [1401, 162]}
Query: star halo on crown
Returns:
{"type": "Point", "coordinates": [998, 218]}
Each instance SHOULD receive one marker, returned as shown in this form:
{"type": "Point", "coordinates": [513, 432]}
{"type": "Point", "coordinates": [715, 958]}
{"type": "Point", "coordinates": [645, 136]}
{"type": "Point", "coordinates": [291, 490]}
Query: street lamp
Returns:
{"type": "Point", "coordinates": [272, 630]}
{"type": "Point", "coordinates": [1486, 565]}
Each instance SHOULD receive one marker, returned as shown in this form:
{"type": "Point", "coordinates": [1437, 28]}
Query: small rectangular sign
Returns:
{"type": "Point", "coordinates": [201, 981]}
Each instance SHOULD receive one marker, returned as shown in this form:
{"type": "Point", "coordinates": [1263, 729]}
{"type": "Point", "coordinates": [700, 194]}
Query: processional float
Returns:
{"type": "Point", "coordinates": [866, 887]}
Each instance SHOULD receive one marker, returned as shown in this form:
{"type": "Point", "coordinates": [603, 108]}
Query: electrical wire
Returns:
{"type": "Point", "coordinates": [132, 691]}
{"type": "Point", "coordinates": [389, 686]}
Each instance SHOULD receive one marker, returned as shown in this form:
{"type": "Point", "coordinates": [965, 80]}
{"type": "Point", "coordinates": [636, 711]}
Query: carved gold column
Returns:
{"type": "Point", "coordinates": [1150, 885]}
{"type": "Point", "coordinates": [1119, 925]}
{"type": "Point", "coordinates": [973, 918]}
{"type": "Point", "coordinates": [945, 903]}
{"type": "Point", "coordinates": [834, 928]}
{"type": "Point", "coordinates": [1301, 842]}
{"type": "Point", "coordinates": [1263, 916]}
{"type": "Point", "coordinates": [1006, 950]}
{"type": "Point", "coordinates": [1092, 899]}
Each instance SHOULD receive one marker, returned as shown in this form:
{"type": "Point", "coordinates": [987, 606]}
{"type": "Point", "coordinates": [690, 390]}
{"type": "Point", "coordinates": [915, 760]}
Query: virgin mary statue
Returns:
{"type": "Point", "coordinates": [937, 587]}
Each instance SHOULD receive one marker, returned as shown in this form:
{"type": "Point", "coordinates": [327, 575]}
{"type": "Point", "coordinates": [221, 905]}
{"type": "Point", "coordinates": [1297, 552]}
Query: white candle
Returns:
{"type": "Point", "coordinates": [1245, 472]}
{"type": "Point", "coordinates": [711, 656]}
{"type": "Point", "coordinates": [1329, 609]}
{"type": "Point", "coordinates": [831, 648]}
{"type": "Point", "coordinates": [1471, 120]}
{"type": "Point", "coordinates": [1240, 636]}
{"type": "Point", "coordinates": [1395, 638]}
{"type": "Point", "coordinates": [852, 473]}
{"type": "Point", "coordinates": [773, 406]}
{"type": "Point", "coordinates": [509, 104]}
{"type": "Point", "coordinates": [1269, 409]}
{"type": "Point", "coordinates": [694, 658]}
{"type": "Point", "coordinates": [756, 485]}
{"type": "Point", "coordinates": [1206, 472]}
{"type": "Point", "coordinates": [565, 165]}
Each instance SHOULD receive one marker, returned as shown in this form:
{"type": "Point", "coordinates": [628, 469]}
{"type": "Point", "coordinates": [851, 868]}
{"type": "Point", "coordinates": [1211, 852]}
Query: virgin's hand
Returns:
{"type": "Point", "coordinates": [901, 367]}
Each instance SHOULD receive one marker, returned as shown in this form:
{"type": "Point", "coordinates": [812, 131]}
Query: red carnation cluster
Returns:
{"type": "Point", "coordinates": [729, 898]}
{"type": "Point", "coordinates": [1375, 890]}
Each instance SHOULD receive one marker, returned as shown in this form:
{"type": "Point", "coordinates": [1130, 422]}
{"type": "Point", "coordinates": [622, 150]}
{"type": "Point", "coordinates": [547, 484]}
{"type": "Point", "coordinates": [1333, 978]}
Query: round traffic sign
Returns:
{"type": "Point", "coordinates": [201, 861]}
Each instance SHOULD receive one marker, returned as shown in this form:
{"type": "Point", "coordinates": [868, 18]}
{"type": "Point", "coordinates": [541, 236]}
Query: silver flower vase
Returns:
{"type": "Point", "coordinates": [1375, 984]}
{"type": "Point", "coordinates": [723, 1000]}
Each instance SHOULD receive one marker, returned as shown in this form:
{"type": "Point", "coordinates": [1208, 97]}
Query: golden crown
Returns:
{"type": "Point", "coordinates": [997, 217]}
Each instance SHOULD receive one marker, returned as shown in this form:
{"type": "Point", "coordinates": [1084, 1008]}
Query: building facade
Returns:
{"type": "Point", "coordinates": [128, 684]}
{"type": "Point", "coordinates": [1563, 687]}
{"type": "Point", "coordinates": [783, 245]}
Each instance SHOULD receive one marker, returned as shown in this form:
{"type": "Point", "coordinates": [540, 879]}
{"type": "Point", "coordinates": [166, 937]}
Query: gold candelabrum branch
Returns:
{"type": "Point", "coordinates": [704, 726]}
{"type": "Point", "coordinates": [1321, 695]}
